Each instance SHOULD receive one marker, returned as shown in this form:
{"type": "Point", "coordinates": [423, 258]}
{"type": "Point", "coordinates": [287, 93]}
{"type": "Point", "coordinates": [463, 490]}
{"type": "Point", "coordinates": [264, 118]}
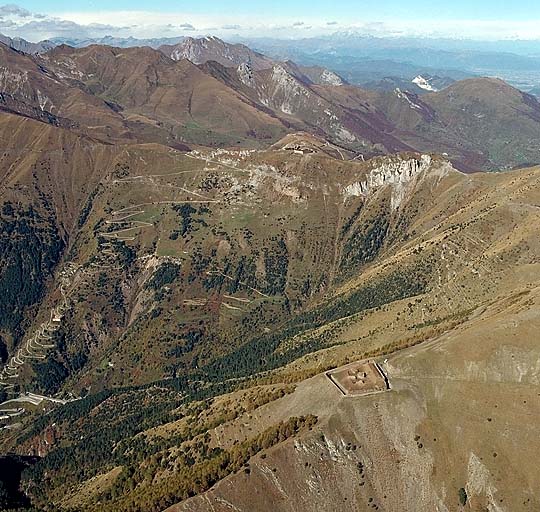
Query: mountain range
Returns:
{"type": "Point", "coordinates": [364, 58]}
{"type": "Point", "coordinates": [366, 61]}
{"type": "Point", "coordinates": [192, 236]}
{"type": "Point", "coordinates": [141, 94]}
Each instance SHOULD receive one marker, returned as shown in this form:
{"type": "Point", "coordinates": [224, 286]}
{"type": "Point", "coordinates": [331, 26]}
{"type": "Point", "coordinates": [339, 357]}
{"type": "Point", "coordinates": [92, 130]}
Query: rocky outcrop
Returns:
{"type": "Point", "coordinates": [330, 78]}
{"type": "Point", "coordinates": [392, 172]}
{"type": "Point", "coordinates": [245, 74]}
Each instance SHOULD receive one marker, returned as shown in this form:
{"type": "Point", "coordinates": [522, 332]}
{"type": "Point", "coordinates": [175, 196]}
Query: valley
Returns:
{"type": "Point", "coordinates": [131, 248]}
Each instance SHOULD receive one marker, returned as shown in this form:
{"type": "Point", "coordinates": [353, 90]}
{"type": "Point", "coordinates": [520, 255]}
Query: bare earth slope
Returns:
{"type": "Point", "coordinates": [459, 416]}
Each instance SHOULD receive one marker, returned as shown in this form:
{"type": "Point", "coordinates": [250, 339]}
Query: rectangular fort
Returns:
{"type": "Point", "coordinates": [360, 378]}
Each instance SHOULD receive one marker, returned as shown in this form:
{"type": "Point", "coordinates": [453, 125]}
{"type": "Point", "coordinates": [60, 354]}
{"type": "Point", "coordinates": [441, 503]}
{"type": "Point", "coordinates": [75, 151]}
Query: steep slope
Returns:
{"type": "Point", "coordinates": [314, 74]}
{"type": "Point", "coordinates": [433, 443]}
{"type": "Point", "coordinates": [47, 174]}
{"type": "Point", "coordinates": [29, 88]}
{"type": "Point", "coordinates": [475, 121]}
{"type": "Point", "coordinates": [497, 115]}
{"type": "Point", "coordinates": [212, 49]}
{"type": "Point", "coordinates": [293, 97]}
{"type": "Point", "coordinates": [468, 121]}
{"type": "Point", "coordinates": [154, 92]}
{"type": "Point", "coordinates": [178, 229]}
{"type": "Point", "coordinates": [476, 375]}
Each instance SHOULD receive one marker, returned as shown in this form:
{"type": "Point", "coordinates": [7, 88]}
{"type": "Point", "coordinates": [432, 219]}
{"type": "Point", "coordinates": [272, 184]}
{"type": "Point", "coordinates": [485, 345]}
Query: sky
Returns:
{"type": "Point", "coordinates": [471, 19]}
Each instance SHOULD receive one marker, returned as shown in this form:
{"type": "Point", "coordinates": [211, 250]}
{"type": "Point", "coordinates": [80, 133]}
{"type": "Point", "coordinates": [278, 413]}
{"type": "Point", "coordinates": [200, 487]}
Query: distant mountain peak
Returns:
{"type": "Point", "coordinates": [22, 45]}
{"type": "Point", "coordinates": [203, 49]}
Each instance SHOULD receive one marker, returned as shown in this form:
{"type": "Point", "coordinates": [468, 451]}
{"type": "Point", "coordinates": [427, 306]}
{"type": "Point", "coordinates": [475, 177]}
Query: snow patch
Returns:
{"type": "Point", "coordinates": [424, 83]}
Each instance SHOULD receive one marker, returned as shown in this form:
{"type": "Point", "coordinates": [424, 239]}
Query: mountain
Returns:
{"type": "Point", "coordinates": [479, 117]}
{"type": "Point", "coordinates": [199, 291]}
{"type": "Point", "coordinates": [201, 50]}
{"type": "Point", "coordinates": [360, 58]}
{"type": "Point", "coordinates": [21, 45]}
{"type": "Point", "coordinates": [360, 61]}
{"type": "Point", "coordinates": [225, 287]}
{"type": "Point", "coordinates": [468, 120]}
{"type": "Point", "coordinates": [162, 100]}
{"type": "Point", "coordinates": [140, 94]}
{"type": "Point", "coordinates": [118, 42]}
{"type": "Point", "coordinates": [33, 90]}
{"type": "Point", "coordinates": [159, 100]}
{"type": "Point", "coordinates": [420, 84]}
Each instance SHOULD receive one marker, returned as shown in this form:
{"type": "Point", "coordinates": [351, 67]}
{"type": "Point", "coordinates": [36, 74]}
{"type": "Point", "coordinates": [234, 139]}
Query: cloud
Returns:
{"type": "Point", "coordinates": [18, 21]}
{"type": "Point", "coordinates": [379, 28]}
{"type": "Point", "coordinates": [14, 10]}
{"type": "Point", "coordinates": [55, 27]}
{"type": "Point", "coordinates": [7, 23]}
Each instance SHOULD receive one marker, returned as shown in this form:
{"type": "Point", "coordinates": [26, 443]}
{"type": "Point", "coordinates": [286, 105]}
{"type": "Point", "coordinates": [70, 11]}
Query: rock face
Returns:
{"type": "Point", "coordinates": [281, 89]}
{"type": "Point", "coordinates": [245, 74]}
{"type": "Point", "coordinates": [330, 78]}
{"type": "Point", "coordinates": [287, 92]}
{"type": "Point", "coordinates": [316, 74]}
{"type": "Point", "coordinates": [397, 173]}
